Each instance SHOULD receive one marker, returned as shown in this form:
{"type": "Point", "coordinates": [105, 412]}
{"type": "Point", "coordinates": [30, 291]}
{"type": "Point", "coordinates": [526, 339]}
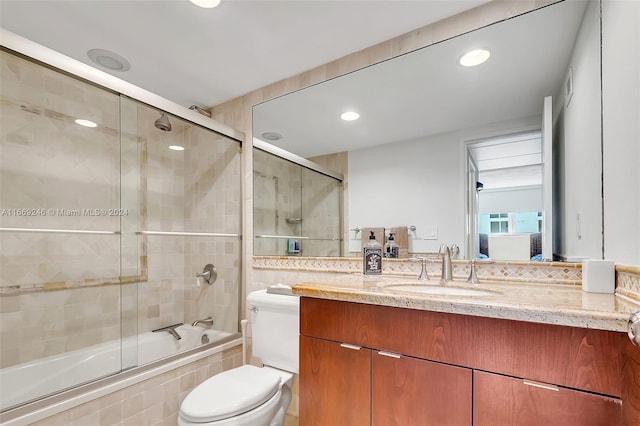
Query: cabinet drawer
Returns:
{"type": "Point", "coordinates": [413, 392]}
{"type": "Point", "coordinates": [501, 400]}
{"type": "Point", "coordinates": [335, 320]}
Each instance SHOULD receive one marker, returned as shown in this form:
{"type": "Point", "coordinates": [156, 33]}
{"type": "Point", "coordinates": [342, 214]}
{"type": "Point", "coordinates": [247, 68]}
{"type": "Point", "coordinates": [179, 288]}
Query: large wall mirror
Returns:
{"type": "Point", "coordinates": [460, 154]}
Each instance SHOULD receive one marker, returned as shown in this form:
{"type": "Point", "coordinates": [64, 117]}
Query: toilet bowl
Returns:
{"type": "Point", "coordinates": [246, 395]}
{"type": "Point", "coordinates": [250, 395]}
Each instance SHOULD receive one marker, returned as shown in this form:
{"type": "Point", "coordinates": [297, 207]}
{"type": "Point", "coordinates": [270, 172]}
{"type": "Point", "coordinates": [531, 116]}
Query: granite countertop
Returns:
{"type": "Point", "coordinates": [541, 303]}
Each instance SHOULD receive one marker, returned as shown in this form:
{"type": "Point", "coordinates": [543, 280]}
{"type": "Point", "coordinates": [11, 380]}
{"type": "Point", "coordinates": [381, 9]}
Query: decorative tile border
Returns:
{"type": "Point", "coordinates": [628, 281]}
{"type": "Point", "coordinates": [67, 285]}
{"type": "Point", "coordinates": [529, 272]}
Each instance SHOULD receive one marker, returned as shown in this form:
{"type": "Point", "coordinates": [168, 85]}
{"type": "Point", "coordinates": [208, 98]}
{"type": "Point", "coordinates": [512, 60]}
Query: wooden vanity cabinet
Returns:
{"type": "Point", "coordinates": [426, 368]}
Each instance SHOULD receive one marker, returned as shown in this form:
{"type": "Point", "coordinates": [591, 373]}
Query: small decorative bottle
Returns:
{"type": "Point", "coordinates": [372, 256]}
{"type": "Point", "coordinates": [391, 248]}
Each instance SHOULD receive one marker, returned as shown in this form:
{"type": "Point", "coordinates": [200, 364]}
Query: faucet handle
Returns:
{"type": "Point", "coordinates": [209, 273]}
{"type": "Point", "coordinates": [473, 277]}
{"type": "Point", "coordinates": [423, 272]}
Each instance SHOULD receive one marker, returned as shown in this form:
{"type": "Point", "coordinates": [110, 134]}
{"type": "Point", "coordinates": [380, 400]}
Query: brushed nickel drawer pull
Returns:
{"type": "Point", "coordinates": [540, 385]}
{"type": "Point", "coordinates": [389, 354]}
{"type": "Point", "coordinates": [348, 346]}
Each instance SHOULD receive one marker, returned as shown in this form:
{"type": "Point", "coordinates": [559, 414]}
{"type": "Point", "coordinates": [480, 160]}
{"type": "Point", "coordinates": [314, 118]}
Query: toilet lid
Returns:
{"type": "Point", "coordinates": [230, 393]}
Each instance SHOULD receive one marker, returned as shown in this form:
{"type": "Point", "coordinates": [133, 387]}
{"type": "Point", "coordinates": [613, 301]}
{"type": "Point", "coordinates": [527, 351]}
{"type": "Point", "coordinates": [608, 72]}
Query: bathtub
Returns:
{"type": "Point", "coordinates": [25, 382]}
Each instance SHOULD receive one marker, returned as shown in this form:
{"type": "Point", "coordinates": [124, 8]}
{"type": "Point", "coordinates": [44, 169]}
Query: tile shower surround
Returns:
{"type": "Point", "coordinates": [61, 292]}
{"type": "Point", "coordinates": [296, 193]}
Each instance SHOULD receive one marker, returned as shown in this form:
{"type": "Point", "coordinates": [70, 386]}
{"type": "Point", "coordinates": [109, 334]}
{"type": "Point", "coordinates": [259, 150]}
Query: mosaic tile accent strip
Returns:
{"type": "Point", "coordinates": [628, 281]}
{"type": "Point", "coordinates": [530, 272]}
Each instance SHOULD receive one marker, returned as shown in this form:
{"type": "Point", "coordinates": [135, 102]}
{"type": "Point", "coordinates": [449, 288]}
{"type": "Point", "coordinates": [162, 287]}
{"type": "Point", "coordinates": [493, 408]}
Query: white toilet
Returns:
{"type": "Point", "coordinates": [250, 395]}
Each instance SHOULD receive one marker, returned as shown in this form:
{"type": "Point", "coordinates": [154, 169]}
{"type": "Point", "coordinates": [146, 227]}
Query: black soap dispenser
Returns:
{"type": "Point", "coordinates": [372, 256]}
{"type": "Point", "coordinates": [391, 248]}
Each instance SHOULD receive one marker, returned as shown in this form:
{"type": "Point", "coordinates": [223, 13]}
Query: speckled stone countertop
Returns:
{"type": "Point", "coordinates": [541, 303]}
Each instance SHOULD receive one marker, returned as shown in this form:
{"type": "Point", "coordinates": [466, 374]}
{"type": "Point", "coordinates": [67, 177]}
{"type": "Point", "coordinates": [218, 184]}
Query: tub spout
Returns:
{"type": "Point", "coordinates": [171, 329]}
{"type": "Point", "coordinates": [206, 321]}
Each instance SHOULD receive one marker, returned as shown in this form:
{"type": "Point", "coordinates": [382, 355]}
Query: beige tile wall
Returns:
{"type": "Point", "coordinates": [285, 190]}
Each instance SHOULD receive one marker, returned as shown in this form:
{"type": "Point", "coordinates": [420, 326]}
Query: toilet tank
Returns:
{"type": "Point", "coordinates": [275, 329]}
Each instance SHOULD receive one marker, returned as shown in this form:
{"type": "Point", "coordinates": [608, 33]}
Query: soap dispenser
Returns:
{"type": "Point", "coordinates": [372, 256]}
{"type": "Point", "coordinates": [391, 248]}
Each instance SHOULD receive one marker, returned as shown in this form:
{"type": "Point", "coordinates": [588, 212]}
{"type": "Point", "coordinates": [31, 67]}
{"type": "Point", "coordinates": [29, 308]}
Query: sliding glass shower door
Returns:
{"type": "Point", "coordinates": [106, 218]}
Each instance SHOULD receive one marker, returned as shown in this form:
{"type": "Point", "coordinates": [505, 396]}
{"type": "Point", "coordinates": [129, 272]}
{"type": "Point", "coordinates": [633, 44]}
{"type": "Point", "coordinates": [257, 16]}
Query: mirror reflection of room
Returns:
{"type": "Point", "coordinates": [509, 191]}
{"type": "Point", "coordinates": [418, 111]}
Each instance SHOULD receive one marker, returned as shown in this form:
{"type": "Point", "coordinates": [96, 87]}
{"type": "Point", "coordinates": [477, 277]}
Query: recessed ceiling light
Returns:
{"type": "Point", "coordinates": [349, 116]}
{"type": "Point", "coordinates": [86, 123]}
{"type": "Point", "coordinates": [176, 147]}
{"type": "Point", "coordinates": [109, 60]}
{"type": "Point", "coordinates": [474, 57]}
{"type": "Point", "coordinates": [271, 136]}
{"type": "Point", "coordinates": [207, 4]}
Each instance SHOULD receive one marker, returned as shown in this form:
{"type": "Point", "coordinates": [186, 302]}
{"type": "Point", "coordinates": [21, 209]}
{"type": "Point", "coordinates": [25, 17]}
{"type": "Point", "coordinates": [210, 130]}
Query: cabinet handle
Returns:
{"type": "Point", "coordinates": [389, 354]}
{"type": "Point", "coordinates": [540, 385]}
{"type": "Point", "coordinates": [633, 328]}
{"type": "Point", "coordinates": [348, 346]}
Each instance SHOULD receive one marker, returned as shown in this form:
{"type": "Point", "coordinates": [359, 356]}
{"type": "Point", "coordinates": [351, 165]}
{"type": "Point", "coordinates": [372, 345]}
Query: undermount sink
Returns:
{"type": "Point", "coordinates": [440, 290]}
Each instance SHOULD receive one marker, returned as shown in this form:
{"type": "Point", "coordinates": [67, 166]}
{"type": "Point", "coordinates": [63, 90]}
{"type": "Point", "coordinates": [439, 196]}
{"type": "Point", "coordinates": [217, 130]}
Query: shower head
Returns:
{"type": "Point", "coordinates": [163, 123]}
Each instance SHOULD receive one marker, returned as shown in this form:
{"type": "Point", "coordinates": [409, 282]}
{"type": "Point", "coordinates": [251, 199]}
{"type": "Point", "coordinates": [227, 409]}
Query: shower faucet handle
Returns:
{"type": "Point", "coordinates": [209, 274]}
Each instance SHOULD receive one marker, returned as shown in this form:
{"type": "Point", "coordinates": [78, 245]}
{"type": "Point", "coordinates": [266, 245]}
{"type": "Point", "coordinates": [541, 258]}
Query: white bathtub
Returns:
{"type": "Point", "coordinates": [32, 380]}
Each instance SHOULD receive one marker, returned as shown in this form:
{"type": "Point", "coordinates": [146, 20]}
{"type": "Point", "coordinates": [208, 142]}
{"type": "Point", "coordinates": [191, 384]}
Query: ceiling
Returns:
{"type": "Point", "coordinates": [204, 57]}
{"type": "Point", "coordinates": [427, 93]}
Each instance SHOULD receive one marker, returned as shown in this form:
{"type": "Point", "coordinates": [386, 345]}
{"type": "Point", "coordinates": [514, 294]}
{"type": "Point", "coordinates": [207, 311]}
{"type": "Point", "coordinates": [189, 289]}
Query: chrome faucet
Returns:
{"type": "Point", "coordinates": [446, 264]}
{"type": "Point", "coordinates": [171, 329]}
{"type": "Point", "coordinates": [206, 321]}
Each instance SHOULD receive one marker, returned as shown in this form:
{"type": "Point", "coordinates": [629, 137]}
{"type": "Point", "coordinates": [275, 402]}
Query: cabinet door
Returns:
{"type": "Point", "coordinates": [335, 383]}
{"type": "Point", "coordinates": [502, 400]}
{"type": "Point", "coordinates": [410, 391]}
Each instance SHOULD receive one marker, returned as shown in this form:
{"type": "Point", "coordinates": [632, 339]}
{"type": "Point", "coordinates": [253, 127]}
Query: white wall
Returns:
{"type": "Point", "coordinates": [409, 183]}
{"type": "Point", "coordinates": [621, 129]}
{"type": "Point", "coordinates": [418, 182]}
{"type": "Point", "coordinates": [580, 140]}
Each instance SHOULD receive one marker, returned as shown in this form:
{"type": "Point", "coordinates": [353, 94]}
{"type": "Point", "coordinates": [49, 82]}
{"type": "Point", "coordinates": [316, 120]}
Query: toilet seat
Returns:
{"type": "Point", "coordinates": [230, 393]}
